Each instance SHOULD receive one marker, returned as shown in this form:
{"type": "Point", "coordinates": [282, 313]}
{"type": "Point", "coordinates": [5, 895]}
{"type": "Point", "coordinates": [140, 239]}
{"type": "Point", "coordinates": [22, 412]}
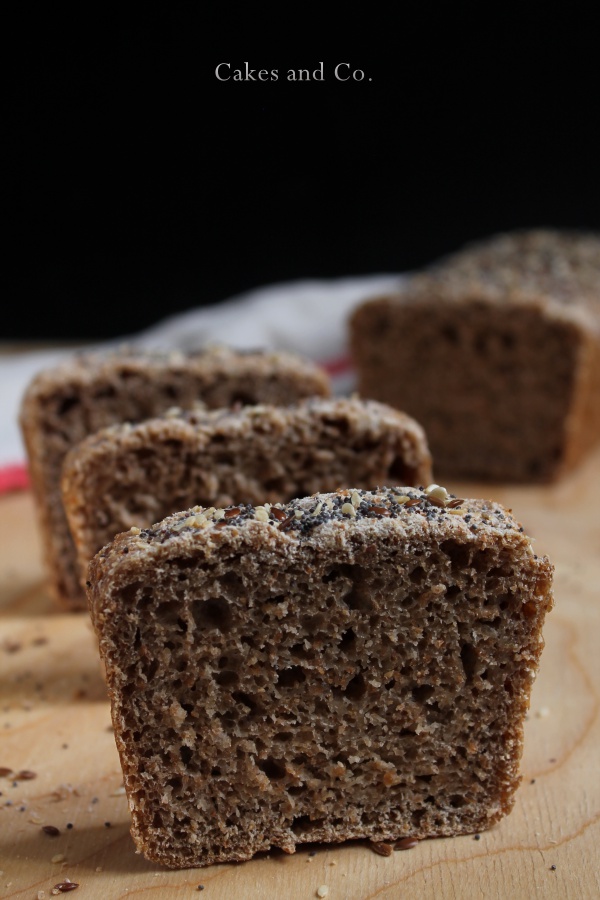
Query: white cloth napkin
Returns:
{"type": "Point", "coordinates": [306, 317]}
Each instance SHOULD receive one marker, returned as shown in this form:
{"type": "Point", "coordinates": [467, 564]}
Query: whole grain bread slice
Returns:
{"type": "Point", "coordinates": [129, 475]}
{"type": "Point", "coordinates": [354, 664]}
{"type": "Point", "coordinates": [65, 404]}
{"type": "Point", "coordinates": [496, 351]}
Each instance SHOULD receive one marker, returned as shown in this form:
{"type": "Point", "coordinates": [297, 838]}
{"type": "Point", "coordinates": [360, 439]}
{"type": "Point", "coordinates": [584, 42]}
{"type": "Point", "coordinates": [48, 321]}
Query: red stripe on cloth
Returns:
{"type": "Point", "coordinates": [13, 478]}
{"type": "Point", "coordinates": [338, 366]}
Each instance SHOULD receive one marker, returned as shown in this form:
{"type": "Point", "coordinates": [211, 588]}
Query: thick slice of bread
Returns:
{"type": "Point", "coordinates": [350, 665]}
{"type": "Point", "coordinates": [496, 351]}
{"type": "Point", "coordinates": [137, 474]}
{"type": "Point", "coordinates": [64, 405]}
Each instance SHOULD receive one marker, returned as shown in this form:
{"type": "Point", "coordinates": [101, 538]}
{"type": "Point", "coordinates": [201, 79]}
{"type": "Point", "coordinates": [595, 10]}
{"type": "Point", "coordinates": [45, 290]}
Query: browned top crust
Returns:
{"type": "Point", "coordinates": [65, 404]}
{"type": "Point", "coordinates": [560, 270]}
{"type": "Point", "coordinates": [324, 520]}
{"type": "Point", "coordinates": [328, 749]}
{"type": "Point", "coordinates": [213, 361]}
{"type": "Point", "coordinates": [128, 474]}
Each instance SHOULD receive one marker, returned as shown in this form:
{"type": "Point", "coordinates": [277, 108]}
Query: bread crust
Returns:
{"type": "Point", "coordinates": [349, 665]}
{"type": "Point", "coordinates": [65, 404]}
{"type": "Point", "coordinates": [502, 345]}
{"type": "Point", "coordinates": [137, 474]}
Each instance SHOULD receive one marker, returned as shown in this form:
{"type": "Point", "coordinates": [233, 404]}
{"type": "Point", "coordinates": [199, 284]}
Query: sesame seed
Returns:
{"type": "Point", "coordinates": [348, 510]}
{"type": "Point", "coordinates": [323, 891]}
{"type": "Point", "coordinates": [261, 514]}
{"type": "Point", "coordinates": [355, 499]}
{"type": "Point", "coordinates": [435, 490]}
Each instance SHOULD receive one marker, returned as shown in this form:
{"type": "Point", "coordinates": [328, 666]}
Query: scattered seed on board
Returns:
{"type": "Point", "coordinates": [51, 830]}
{"type": "Point", "coordinates": [323, 891]}
{"type": "Point", "coordinates": [382, 848]}
{"type": "Point", "coordinates": [406, 843]}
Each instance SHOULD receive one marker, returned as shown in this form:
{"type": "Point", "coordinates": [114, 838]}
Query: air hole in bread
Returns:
{"type": "Point", "coordinates": [274, 770]}
{"type": "Point", "coordinates": [291, 677]}
{"type": "Point", "coordinates": [470, 659]}
{"type": "Point", "coordinates": [212, 613]}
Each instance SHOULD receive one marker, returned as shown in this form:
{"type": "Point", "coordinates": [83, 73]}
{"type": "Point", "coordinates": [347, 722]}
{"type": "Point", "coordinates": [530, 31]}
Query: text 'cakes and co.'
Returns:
{"type": "Point", "coordinates": [245, 72]}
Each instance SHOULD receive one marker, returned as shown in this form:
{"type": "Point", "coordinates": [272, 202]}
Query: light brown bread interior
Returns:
{"type": "Point", "coordinates": [64, 405]}
{"type": "Point", "coordinates": [137, 474]}
{"type": "Point", "coordinates": [350, 665]}
{"type": "Point", "coordinates": [496, 351]}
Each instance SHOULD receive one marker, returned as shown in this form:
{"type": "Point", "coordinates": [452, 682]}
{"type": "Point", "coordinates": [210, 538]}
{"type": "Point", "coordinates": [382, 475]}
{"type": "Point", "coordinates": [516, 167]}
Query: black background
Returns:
{"type": "Point", "coordinates": [139, 185]}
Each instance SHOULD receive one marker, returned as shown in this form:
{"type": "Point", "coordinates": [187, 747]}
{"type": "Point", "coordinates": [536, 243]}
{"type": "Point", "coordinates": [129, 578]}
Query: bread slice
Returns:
{"type": "Point", "coordinates": [496, 351]}
{"type": "Point", "coordinates": [64, 405]}
{"type": "Point", "coordinates": [137, 474]}
{"type": "Point", "coordinates": [350, 665]}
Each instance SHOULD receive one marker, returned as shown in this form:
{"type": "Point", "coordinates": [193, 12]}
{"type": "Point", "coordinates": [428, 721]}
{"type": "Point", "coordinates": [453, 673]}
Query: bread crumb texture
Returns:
{"type": "Point", "coordinates": [92, 391]}
{"type": "Point", "coordinates": [355, 664]}
{"type": "Point", "coordinates": [133, 475]}
{"type": "Point", "coordinates": [496, 351]}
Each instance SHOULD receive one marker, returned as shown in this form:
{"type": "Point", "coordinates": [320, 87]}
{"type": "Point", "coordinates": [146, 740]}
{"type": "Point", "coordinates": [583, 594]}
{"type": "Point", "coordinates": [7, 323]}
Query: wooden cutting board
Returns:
{"type": "Point", "coordinates": [55, 724]}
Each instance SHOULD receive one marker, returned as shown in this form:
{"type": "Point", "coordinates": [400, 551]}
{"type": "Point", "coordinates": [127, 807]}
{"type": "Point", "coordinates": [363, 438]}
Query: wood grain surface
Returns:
{"type": "Point", "coordinates": [55, 723]}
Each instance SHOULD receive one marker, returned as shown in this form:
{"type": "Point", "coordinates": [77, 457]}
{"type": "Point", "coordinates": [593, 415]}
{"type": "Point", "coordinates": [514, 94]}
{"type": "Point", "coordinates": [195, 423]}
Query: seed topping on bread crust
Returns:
{"type": "Point", "coordinates": [300, 518]}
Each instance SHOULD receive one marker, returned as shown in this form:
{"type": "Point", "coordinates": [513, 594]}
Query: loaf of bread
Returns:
{"type": "Point", "coordinates": [129, 475]}
{"type": "Point", "coordinates": [350, 665]}
{"type": "Point", "coordinates": [496, 351]}
{"type": "Point", "coordinates": [64, 405]}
